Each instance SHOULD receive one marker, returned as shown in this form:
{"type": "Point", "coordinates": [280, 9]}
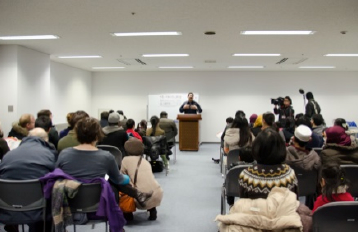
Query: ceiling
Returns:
{"type": "Point", "coordinates": [84, 28]}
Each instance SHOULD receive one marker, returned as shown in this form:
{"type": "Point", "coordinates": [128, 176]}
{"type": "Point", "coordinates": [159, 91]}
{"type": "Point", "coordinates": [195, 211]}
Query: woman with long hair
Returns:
{"type": "Point", "coordinates": [239, 135]}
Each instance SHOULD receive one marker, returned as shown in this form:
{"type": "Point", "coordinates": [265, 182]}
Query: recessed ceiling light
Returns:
{"type": "Point", "coordinates": [317, 67]}
{"type": "Point", "coordinates": [146, 33]}
{"type": "Point", "coordinates": [176, 67]}
{"type": "Point", "coordinates": [247, 54]}
{"type": "Point", "coordinates": [78, 57]}
{"type": "Point", "coordinates": [29, 37]}
{"type": "Point", "coordinates": [277, 32]}
{"type": "Point", "coordinates": [107, 67]}
{"type": "Point", "coordinates": [246, 66]}
{"type": "Point", "coordinates": [165, 55]}
{"type": "Point", "coordinates": [348, 55]}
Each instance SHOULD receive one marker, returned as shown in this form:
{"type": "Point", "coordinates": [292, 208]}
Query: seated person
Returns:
{"type": "Point", "coordinates": [4, 148]}
{"type": "Point", "coordinates": [64, 132]}
{"type": "Point", "coordinates": [338, 147]}
{"type": "Point", "coordinates": [316, 140]}
{"type": "Point", "coordinates": [239, 135]}
{"type": "Point", "coordinates": [114, 134]}
{"type": "Point", "coordinates": [130, 125]}
{"type": "Point", "coordinates": [52, 133]}
{"type": "Point", "coordinates": [145, 181]}
{"type": "Point", "coordinates": [334, 186]}
{"type": "Point", "coordinates": [342, 123]}
{"type": "Point", "coordinates": [142, 128]}
{"type": "Point", "coordinates": [86, 161]}
{"type": "Point", "coordinates": [269, 151]}
{"type": "Point", "coordinates": [168, 125]}
{"type": "Point", "coordinates": [104, 119]}
{"type": "Point", "coordinates": [317, 123]}
{"type": "Point", "coordinates": [288, 130]}
{"type": "Point", "coordinates": [70, 139]}
{"type": "Point", "coordinates": [253, 118]}
{"type": "Point", "coordinates": [21, 128]}
{"type": "Point", "coordinates": [298, 155]}
{"type": "Point", "coordinates": [33, 159]}
{"type": "Point", "coordinates": [268, 121]}
{"type": "Point", "coordinates": [257, 126]}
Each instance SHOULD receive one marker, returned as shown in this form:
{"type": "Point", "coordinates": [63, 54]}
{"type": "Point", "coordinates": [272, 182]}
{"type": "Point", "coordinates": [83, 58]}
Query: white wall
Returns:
{"type": "Point", "coordinates": [70, 91]}
{"type": "Point", "coordinates": [222, 93]}
{"type": "Point", "coordinates": [8, 85]}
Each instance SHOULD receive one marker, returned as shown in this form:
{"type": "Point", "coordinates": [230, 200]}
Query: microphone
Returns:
{"type": "Point", "coordinates": [301, 91]}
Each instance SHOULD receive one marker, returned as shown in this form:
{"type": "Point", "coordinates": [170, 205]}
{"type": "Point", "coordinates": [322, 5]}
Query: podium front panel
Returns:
{"type": "Point", "coordinates": [189, 135]}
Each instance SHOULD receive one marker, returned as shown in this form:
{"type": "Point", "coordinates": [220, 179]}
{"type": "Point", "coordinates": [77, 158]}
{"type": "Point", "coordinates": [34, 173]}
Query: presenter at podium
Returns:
{"type": "Point", "coordinates": [190, 106]}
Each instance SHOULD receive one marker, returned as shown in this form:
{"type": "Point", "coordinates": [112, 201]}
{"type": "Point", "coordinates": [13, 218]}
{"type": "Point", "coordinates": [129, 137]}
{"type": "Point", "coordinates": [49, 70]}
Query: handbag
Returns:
{"type": "Point", "coordinates": [157, 166]}
{"type": "Point", "coordinates": [127, 203]}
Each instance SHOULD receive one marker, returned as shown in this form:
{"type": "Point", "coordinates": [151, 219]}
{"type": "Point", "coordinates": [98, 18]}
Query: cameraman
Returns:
{"type": "Point", "coordinates": [285, 110]}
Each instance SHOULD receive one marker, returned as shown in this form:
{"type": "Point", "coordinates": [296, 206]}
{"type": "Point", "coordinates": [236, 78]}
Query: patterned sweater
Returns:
{"type": "Point", "coordinates": [258, 180]}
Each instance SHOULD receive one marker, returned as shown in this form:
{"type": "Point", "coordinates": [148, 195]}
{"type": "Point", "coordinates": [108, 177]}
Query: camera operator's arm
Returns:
{"type": "Point", "coordinates": [275, 110]}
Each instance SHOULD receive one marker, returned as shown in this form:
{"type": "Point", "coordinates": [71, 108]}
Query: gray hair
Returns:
{"type": "Point", "coordinates": [39, 132]}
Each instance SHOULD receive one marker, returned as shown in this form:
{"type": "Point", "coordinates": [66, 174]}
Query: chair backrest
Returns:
{"type": "Point", "coordinates": [87, 198]}
{"type": "Point", "coordinates": [21, 195]}
{"type": "Point", "coordinates": [336, 216]}
{"type": "Point", "coordinates": [232, 157]}
{"type": "Point", "coordinates": [351, 171]}
{"type": "Point", "coordinates": [307, 181]}
{"type": "Point", "coordinates": [232, 180]}
{"type": "Point", "coordinates": [114, 151]}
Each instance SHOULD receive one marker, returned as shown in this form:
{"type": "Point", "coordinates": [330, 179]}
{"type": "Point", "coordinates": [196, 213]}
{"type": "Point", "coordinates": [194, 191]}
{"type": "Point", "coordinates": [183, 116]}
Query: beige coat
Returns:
{"type": "Point", "coordinates": [277, 213]}
{"type": "Point", "coordinates": [145, 179]}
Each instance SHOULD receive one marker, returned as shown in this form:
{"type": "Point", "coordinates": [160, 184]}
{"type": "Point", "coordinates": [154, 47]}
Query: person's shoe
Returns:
{"type": "Point", "coordinates": [152, 214]}
{"type": "Point", "coordinates": [11, 228]}
{"type": "Point", "coordinates": [143, 197]}
{"type": "Point", "coordinates": [216, 160]}
{"type": "Point", "coordinates": [128, 216]}
{"type": "Point", "coordinates": [168, 158]}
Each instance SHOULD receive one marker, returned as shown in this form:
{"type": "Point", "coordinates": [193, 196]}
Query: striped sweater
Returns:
{"type": "Point", "coordinates": [258, 180]}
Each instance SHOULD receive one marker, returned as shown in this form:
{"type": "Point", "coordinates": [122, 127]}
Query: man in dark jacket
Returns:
{"type": "Point", "coordinates": [285, 111]}
{"type": "Point", "coordinates": [33, 159]}
{"type": "Point", "coordinates": [114, 134]}
{"type": "Point", "coordinates": [52, 134]}
{"type": "Point", "coordinates": [312, 107]}
{"type": "Point", "coordinates": [21, 129]}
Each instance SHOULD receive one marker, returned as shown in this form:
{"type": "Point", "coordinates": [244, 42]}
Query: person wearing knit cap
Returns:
{"type": "Point", "coordinates": [339, 147]}
{"type": "Point", "coordinates": [252, 120]}
{"type": "Point", "coordinates": [298, 155]}
{"type": "Point", "coordinates": [145, 179]}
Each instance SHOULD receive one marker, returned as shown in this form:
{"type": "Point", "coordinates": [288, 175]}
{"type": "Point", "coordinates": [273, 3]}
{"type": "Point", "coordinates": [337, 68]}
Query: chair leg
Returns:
{"type": "Point", "coordinates": [106, 227]}
{"type": "Point", "coordinates": [74, 228]}
{"type": "Point", "coordinates": [23, 227]}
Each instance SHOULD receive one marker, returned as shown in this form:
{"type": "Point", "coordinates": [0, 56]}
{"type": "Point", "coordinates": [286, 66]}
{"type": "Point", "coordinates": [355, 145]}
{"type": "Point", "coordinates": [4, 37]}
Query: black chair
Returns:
{"type": "Point", "coordinates": [114, 151]}
{"type": "Point", "coordinates": [231, 186]}
{"type": "Point", "coordinates": [20, 196]}
{"type": "Point", "coordinates": [351, 171]}
{"type": "Point", "coordinates": [336, 216]}
{"type": "Point", "coordinates": [87, 201]}
{"type": "Point", "coordinates": [307, 181]}
{"type": "Point", "coordinates": [232, 157]}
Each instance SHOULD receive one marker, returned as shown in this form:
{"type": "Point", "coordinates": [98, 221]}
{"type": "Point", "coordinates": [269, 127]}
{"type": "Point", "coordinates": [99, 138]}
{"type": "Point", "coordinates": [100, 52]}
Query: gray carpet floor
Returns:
{"type": "Point", "coordinates": [191, 199]}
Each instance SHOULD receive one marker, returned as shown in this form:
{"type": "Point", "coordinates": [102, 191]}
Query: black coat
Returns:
{"type": "Point", "coordinates": [154, 146]}
{"type": "Point", "coordinates": [312, 108]}
{"type": "Point", "coordinates": [116, 139]}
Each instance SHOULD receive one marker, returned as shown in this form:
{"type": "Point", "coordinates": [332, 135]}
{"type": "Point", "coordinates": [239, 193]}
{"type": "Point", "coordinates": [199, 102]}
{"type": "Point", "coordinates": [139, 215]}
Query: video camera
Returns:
{"type": "Point", "coordinates": [277, 101]}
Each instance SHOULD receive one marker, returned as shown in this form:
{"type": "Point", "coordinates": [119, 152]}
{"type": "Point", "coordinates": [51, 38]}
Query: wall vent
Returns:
{"type": "Point", "coordinates": [128, 62]}
{"type": "Point", "coordinates": [282, 61]}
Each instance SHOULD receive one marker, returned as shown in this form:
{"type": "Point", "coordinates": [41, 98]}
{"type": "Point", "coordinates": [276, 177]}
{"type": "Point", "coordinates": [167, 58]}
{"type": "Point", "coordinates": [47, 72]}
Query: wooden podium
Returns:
{"type": "Point", "coordinates": [189, 132]}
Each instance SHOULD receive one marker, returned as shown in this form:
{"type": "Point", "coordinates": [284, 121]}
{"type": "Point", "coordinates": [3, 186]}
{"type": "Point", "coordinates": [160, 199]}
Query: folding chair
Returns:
{"type": "Point", "coordinates": [232, 157]}
{"type": "Point", "coordinates": [351, 171]}
{"type": "Point", "coordinates": [336, 216]}
{"type": "Point", "coordinates": [231, 186]}
{"type": "Point", "coordinates": [87, 201]}
{"type": "Point", "coordinates": [114, 151]}
{"type": "Point", "coordinates": [307, 184]}
{"type": "Point", "coordinates": [22, 196]}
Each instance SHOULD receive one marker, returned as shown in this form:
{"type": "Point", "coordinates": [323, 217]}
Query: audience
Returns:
{"type": "Point", "coordinates": [298, 155]}
{"type": "Point", "coordinates": [104, 119]}
{"type": "Point", "coordinates": [334, 186]}
{"type": "Point", "coordinates": [169, 127]}
{"type": "Point", "coordinates": [269, 151]}
{"type": "Point", "coordinates": [155, 130]}
{"type": "Point", "coordinates": [123, 121]}
{"type": "Point", "coordinates": [317, 123]}
{"type": "Point", "coordinates": [70, 139]}
{"type": "Point", "coordinates": [257, 125]}
{"type": "Point", "coordinates": [130, 125]}
{"type": "Point", "coordinates": [45, 123]}
{"type": "Point", "coordinates": [253, 118]}
{"type": "Point", "coordinates": [316, 140]}
{"type": "Point", "coordinates": [342, 123]}
{"type": "Point", "coordinates": [21, 128]}
{"type": "Point", "coordinates": [229, 122]}
{"type": "Point", "coordinates": [4, 148]}
{"type": "Point", "coordinates": [268, 121]}
{"type": "Point", "coordinates": [238, 114]}
{"type": "Point", "coordinates": [288, 130]}
{"type": "Point", "coordinates": [114, 135]}
{"type": "Point", "coordinates": [140, 171]}
{"type": "Point", "coordinates": [338, 147]}
{"type": "Point", "coordinates": [86, 161]}
{"type": "Point", "coordinates": [64, 132]}
{"type": "Point", "coordinates": [52, 133]}
{"type": "Point", "coordinates": [31, 160]}
{"type": "Point", "coordinates": [239, 135]}
{"type": "Point", "coordinates": [142, 128]}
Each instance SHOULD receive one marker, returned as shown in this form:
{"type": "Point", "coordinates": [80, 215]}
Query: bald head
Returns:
{"type": "Point", "coordinates": [39, 132]}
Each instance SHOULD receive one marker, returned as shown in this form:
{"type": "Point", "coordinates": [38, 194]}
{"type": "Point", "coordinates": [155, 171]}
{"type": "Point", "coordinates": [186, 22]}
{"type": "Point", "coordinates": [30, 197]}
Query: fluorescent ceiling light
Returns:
{"type": "Point", "coordinates": [107, 67]}
{"type": "Point", "coordinates": [165, 55]}
{"type": "Point", "coordinates": [147, 33]}
{"type": "Point", "coordinates": [317, 67]}
{"type": "Point", "coordinates": [247, 54]}
{"type": "Point", "coordinates": [176, 67]}
{"type": "Point", "coordinates": [78, 57]}
{"type": "Point", "coordinates": [348, 55]}
{"type": "Point", "coordinates": [277, 32]}
{"type": "Point", "coordinates": [29, 37]}
{"type": "Point", "coordinates": [246, 66]}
